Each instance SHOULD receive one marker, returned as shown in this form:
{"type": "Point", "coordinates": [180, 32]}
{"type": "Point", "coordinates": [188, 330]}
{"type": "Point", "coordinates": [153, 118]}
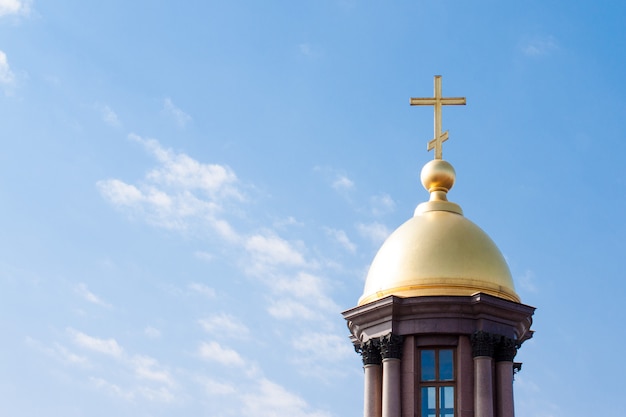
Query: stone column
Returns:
{"type": "Point", "coordinates": [482, 351]}
{"type": "Point", "coordinates": [373, 395]}
{"type": "Point", "coordinates": [391, 351]}
{"type": "Point", "coordinates": [505, 351]}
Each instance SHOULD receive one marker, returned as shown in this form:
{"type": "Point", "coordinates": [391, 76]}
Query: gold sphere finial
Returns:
{"type": "Point", "coordinates": [438, 178]}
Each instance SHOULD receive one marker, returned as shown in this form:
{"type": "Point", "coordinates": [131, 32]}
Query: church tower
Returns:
{"type": "Point", "coordinates": [439, 323]}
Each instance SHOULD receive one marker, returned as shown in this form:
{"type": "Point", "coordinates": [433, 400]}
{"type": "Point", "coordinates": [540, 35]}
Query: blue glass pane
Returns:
{"type": "Point", "coordinates": [446, 401]}
{"type": "Point", "coordinates": [446, 365]}
{"type": "Point", "coordinates": [428, 365]}
{"type": "Point", "coordinates": [429, 402]}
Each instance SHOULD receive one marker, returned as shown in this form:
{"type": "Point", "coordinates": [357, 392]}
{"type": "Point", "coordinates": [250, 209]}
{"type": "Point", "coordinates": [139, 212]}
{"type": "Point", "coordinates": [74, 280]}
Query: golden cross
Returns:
{"type": "Point", "coordinates": [437, 102]}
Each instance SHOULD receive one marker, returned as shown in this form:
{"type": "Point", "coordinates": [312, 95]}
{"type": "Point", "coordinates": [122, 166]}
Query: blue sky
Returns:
{"type": "Point", "coordinates": [192, 193]}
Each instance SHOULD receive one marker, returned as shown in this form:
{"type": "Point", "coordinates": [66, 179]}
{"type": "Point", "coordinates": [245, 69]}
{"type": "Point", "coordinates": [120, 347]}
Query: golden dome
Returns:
{"type": "Point", "coordinates": [438, 251]}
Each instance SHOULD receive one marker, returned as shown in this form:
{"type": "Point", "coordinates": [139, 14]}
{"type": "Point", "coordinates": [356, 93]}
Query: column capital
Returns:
{"type": "Point", "coordinates": [483, 343]}
{"type": "Point", "coordinates": [391, 346]}
{"type": "Point", "coordinates": [370, 352]}
{"type": "Point", "coordinates": [505, 350]}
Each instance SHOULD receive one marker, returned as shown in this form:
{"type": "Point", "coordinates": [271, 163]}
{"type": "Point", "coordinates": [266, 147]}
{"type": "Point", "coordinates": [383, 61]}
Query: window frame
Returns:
{"type": "Point", "coordinates": [437, 383]}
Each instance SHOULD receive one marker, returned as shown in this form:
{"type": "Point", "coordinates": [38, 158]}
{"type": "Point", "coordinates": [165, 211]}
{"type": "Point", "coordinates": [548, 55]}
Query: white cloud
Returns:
{"type": "Point", "coordinates": [216, 388]}
{"type": "Point", "coordinates": [161, 395]}
{"type": "Point", "coordinates": [14, 7]}
{"type": "Point", "coordinates": [70, 357]}
{"type": "Point", "coordinates": [181, 171]}
{"type": "Point", "coordinates": [310, 51]}
{"type": "Point", "coordinates": [286, 308]}
{"type": "Point", "coordinates": [179, 116]}
{"type": "Point", "coordinates": [527, 282]}
{"type": "Point", "coordinates": [273, 400]}
{"type": "Point", "coordinates": [225, 324]}
{"type": "Point", "coordinates": [341, 238]}
{"type": "Point", "coordinates": [214, 352]}
{"type": "Point", "coordinates": [183, 194]}
{"type": "Point", "coordinates": [337, 179]}
{"type": "Point", "coordinates": [119, 193]}
{"type": "Point", "coordinates": [178, 193]}
{"type": "Point", "coordinates": [375, 232]}
{"type": "Point", "coordinates": [106, 346]}
{"type": "Point", "coordinates": [539, 46]}
{"type": "Point", "coordinates": [148, 368]}
{"type": "Point", "coordinates": [111, 388]}
{"type": "Point", "coordinates": [303, 296]}
{"type": "Point", "coordinates": [529, 403]}
{"type": "Point", "coordinates": [205, 256]}
{"type": "Point", "coordinates": [273, 250]}
{"type": "Point", "coordinates": [108, 115]}
{"type": "Point", "coordinates": [289, 221]}
{"type": "Point", "coordinates": [7, 78]}
{"type": "Point", "coordinates": [202, 289]}
{"type": "Point", "coordinates": [303, 285]}
{"type": "Point", "coordinates": [343, 183]}
{"type": "Point", "coordinates": [319, 353]}
{"type": "Point", "coordinates": [150, 380]}
{"type": "Point", "coordinates": [152, 332]}
{"type": "Point", "coordinates": [59, 352]}
{"type": "Point", "coordinates": [382, 204]}
{"type": "Point", "coordinates": [82, 290]}
{"type": "Point", "coordinates": [323, 346]}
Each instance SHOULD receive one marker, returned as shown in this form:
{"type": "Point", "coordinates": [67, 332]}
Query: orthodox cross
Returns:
{"type": "Point", "coordinates": [437, 102]}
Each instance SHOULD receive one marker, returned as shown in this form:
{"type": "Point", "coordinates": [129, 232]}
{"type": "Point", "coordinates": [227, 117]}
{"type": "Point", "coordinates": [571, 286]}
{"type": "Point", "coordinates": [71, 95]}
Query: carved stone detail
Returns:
{"type": "Point", "coordinates": [505, 350]}
{"type": "Point", "coordinates": [391, 346]}
{"type": "Point", "coordinates": [483, 343]}
{"type": "Point", "coordinates": [370, 352]}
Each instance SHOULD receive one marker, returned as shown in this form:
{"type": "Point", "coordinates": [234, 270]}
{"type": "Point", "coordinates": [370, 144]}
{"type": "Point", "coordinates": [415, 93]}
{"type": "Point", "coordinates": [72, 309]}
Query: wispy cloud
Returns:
{"type": "Point", "coordinates": [108, 115]}
{"type": "Point", "coordinates": [111, 388]}
{"type": "Point", "coordinates": [158, 395]}
{"type": "Point", "coordinates": [82, 290]}
{"type": "Point", "coordinates": [270, 249]}
{"type": "Point", "coordinates": [152, 381]}
{"type": "Point", "coordinates": [7, 77]}
{"type": "Point", "coordinates": [180, 117]}
{"type": "Point", "coordinates": [527, 281]}
{"type": "Point", "coordinates": [14, 7]}
{"type": "Point", "coordinates": [214, 352]}
{"type": "Point", "coordinates": [316, 350]}
{"type": "Point", "coordinates": [341, 237]}
{"type": "Point", "coordinates": [286, 308]}
{"type": "Point", "coordinates": [338, 180]}
{"type": "Point", "coordinates": [225, 324]}
{"type": "Point", "coordinates": [152, 332]}
{"type": "Point", "coordinates": [181, 191]}
{"type": "Point", "coordinates": [309, 50]}
{"type": "Point", "coordinates": [202, 289]}
{"type": "Point", "coordinates": [375, 232]}
{"type": "Point", "coordinates": [60, 353]}
{"type": "Point", "coordinates": [539, 46]}
{"type": "Point", "coordinates": [303, 296]}
{"type": "Point", "coordinates": [217, 388]}
{"type": "Point", "coordinates": [205, 256]}
{"type": "Point", "coordinates": [382, 204]}
{"type": "Point", "coordinates": [323, 346]}
{"type": "Point", "coordinates": [108, 347]}
{"type": "Point", "coordinates": [148, 368]}
{"type": "Point", "coordinates": [342, 182]}
{"type": "Point", "coordinates": [273, 400]}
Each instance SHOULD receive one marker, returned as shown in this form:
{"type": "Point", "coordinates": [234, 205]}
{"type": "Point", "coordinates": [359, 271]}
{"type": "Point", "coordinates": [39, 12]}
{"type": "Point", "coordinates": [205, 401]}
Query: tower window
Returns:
{"type": "Point", "coordinates": [437, 383]}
